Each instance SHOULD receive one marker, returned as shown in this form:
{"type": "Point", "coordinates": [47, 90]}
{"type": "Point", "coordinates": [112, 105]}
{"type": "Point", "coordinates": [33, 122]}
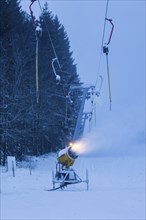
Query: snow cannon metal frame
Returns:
{"type": "Point", "coordinates": [65, 175]}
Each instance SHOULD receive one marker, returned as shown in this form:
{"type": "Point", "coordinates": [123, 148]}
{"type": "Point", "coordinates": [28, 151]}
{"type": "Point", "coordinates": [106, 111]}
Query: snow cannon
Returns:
{"type": "Point", "coordinates": [67, 156]}
{"type": "Point", "coordinates": [65, 175]}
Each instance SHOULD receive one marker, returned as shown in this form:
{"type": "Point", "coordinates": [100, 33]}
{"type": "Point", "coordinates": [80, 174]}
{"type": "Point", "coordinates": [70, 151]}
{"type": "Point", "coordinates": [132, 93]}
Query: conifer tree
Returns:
{"type": "Point", "coordinates": [28, 126]}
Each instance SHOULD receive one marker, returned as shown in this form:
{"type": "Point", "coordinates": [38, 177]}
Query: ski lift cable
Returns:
{"type": "Point", "coordinates": [99, 76]}
{"type": "Point", "coordinates": [105, 50]}
{"type": "Point", "coordinates": [109, 86]}
{"type": "Point", "coordinates": [55, 54]}
{"type": "Point", "coordinates": [37, 31]}
{"type": "Point", "coordinates": [98, 70]}
{"type": "Point", "coordinates": [53, 60]}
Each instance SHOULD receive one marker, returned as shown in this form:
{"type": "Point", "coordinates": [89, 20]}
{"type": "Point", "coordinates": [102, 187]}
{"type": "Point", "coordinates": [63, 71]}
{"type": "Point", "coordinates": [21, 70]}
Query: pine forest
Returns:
{"type": "Point", "coordinates": [37, 115]}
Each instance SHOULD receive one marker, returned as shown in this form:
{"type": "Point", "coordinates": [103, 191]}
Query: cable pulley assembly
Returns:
{"type": "Point", "coordinates": [106, 51]}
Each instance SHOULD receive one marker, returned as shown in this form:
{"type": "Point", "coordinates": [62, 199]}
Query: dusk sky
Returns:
{"type": "Point", "coordinates": [83, 20]}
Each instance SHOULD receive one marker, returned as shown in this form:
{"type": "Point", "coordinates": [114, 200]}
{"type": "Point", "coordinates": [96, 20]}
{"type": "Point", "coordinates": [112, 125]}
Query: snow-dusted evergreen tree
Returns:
{"type": "Point", "coordinates": [12, 105]}
{"type": "Point", "coordinates": [28, 126]}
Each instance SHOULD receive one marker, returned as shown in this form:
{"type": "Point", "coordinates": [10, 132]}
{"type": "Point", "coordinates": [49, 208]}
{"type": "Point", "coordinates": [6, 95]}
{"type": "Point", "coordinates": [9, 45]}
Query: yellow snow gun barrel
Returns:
{"type": "Point", "coordinates": [67, 156]}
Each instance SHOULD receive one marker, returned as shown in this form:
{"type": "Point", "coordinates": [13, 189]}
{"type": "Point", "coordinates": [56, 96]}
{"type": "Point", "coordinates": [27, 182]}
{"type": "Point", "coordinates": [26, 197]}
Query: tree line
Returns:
{"type": "Point", "coordinates": [28, 126]}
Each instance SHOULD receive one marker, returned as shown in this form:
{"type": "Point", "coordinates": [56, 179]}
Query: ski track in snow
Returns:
{"type": "Point", "coordinates": [116, 191]}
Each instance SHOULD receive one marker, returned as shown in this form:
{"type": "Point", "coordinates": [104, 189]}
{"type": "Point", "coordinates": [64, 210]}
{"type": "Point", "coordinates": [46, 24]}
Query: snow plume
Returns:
{"type": "Point", "coordinates": [88, 144]}
{"type": "Point", "coordinates": [116, 136]}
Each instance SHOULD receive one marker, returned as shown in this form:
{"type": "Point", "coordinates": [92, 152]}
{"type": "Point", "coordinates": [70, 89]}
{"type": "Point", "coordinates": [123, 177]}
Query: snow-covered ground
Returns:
{"type": "Point", "coordinates": [116, 190]}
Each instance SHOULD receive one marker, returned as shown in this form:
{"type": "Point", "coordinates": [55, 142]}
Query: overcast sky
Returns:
{"type": "Point", "coordinates": [83, 21]}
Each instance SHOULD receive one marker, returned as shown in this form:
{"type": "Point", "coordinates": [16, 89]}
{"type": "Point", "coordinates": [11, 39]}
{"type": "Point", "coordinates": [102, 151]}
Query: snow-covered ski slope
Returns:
{"type": "Point", "coordinates": [116, 190]}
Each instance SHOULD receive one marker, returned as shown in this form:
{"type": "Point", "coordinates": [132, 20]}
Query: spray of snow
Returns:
{"type": "Point", "coordinates": [87, 144]}
{"type": "Point", "coordinates": [79, 147]}
{"type": "Point", "coordinates": [115, 136]}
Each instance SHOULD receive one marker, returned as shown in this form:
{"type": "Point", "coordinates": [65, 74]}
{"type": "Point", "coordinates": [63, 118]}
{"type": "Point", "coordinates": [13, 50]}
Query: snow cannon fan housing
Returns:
{"type": "Point", "coordinates": [67, 157]}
